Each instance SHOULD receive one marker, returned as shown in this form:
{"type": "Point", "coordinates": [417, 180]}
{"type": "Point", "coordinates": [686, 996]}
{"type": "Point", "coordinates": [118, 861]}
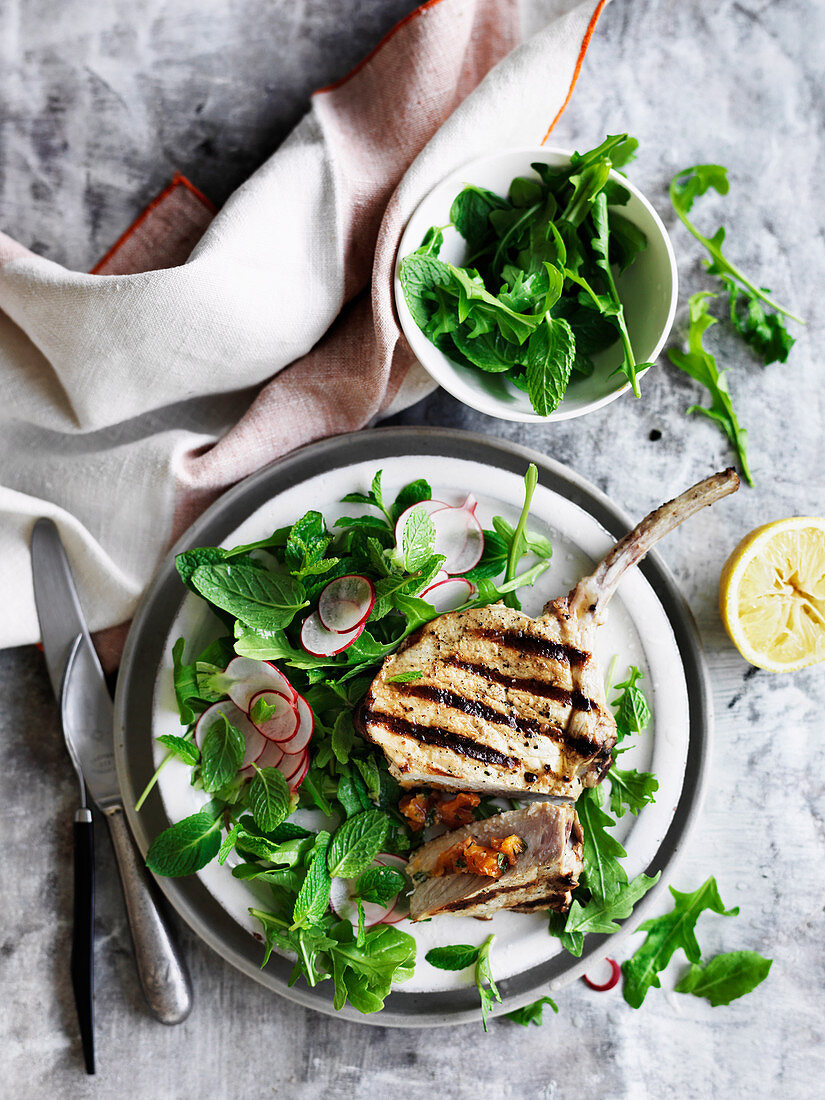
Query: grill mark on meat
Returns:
{"type": "Point", "coordinates": [559, 903]}
{"type": "Point", "coordinates": [436, 735]}
{"type": "Point", "coordinates": [530, 643]}
{"type": "Point", "coordinates": [554, 887]}
{"type": "Point", "coordinates": [543, 688]}
{"type": "Point", "coordinates": [581, 745]}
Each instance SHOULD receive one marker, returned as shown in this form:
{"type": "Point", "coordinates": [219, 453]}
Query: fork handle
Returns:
{"type": "Point", "coordinates": [83, 936]}
{"type": "Point", "coordinates": [161, 969]}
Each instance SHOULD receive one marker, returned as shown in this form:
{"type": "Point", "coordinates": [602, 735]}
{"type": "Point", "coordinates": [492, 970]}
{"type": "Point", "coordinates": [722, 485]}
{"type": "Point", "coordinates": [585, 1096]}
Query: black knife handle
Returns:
{"type": "Point", "coordinates": [82, 962]}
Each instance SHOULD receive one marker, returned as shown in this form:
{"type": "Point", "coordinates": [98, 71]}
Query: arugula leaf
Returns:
{"type": "Point", "coordinates": [685, 187]}
{"type": "Point", "coordinates": [356, 843]}
{"type": "Point", "coordinates": [532, 1013]}
{"type": "Point", "coordinates": [487, 988]}
{"type": "Point", "coordinates": [701, 365]}
{"type": "Point", "coordinates": [380, 885]}
{"type": "Point", "coordinates": [222, 754]}
{"type": "Point", "coordinates": [268, 798]}
{"type": "Point", "coordinates": [601, 251]}
{"type": "Point", "coordinates": [313, 897]}
{"type": "Point", "coordinates": [364, 974]}
{"type": "Point", "coordinates": [601, 916]}
{"type": "Point", "coordinates": [457, 956]}
{"type": "Point", "coordinates": [726, 977]}
{"type": "Point", "coordinates": [256, 597]}
{"type": "Point", "coordinates": [631, 789]}
{"type": "Point", "coordinates": [181, 747]}
{"type": "Point", "coordinates": [601, 851]}
{"type": "Point", "coordinates": [667, 934]}
{"type": "Point", "coordinates": [186, 846]}
{"type": "Point", "coordinates": [764, 332]}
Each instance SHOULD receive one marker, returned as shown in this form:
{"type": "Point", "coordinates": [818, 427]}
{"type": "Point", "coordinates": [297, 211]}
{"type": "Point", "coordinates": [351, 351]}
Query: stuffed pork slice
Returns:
{"type": "Point", "coordinates": [542, 877]}
{"type": "Point", "coordinates": [509, 704]}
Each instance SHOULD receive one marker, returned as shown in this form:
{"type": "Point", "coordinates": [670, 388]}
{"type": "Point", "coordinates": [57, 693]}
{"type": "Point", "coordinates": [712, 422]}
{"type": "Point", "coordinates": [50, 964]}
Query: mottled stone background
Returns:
{"type": "Point", "coordinates": [99, 104]}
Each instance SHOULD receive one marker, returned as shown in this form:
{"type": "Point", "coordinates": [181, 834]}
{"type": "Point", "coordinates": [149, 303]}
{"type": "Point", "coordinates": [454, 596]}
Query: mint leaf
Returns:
{"type": "Point", "coordinates": [417, 540]}
{"type": "Point", "coordinates": [667, 934]}
{"type": "Point", "coordinates": [258, 598]}
{"type": "Point", "coordinates": [222, 754]}
{"type": "Point", "coordinates": [380, 885]}
{"type": "Point", "coordinates": [487, 988]}
{"type": "Point", "coordinates": [268, 798]}
{"type": "Point", "coordinates": [313, 897]}
{"type": "Point", "coordinates": [550, 354]}
{"type": "Point", "coordinates": [414, 493]}
{"type": "Point", "coordinates": [181, 747]}
{"type": "Point", "coordinates": [726, 977]}
{"type": "Point", "coordinates": [356, 843]}
{"type": "Point", "coordinates": [185, 847]}
{"type": "Point", "coordinates": [456, 956]}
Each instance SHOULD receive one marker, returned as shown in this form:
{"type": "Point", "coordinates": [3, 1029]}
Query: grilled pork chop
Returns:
{"type": "Point", "coordinates": [542, 878]}
{"type": "Point", "coordinates": [507, 703]}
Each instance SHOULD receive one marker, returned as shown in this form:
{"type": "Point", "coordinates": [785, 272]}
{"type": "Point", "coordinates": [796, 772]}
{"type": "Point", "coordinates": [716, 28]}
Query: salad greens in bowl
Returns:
{"type": "Point", "coordinates": [537, 284]}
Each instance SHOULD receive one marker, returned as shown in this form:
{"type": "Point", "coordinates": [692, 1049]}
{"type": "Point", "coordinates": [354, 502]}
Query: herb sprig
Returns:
{"type": "Point", "coordinates": [537, 297]}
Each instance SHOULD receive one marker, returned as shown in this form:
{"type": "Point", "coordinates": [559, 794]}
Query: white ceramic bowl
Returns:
{"type": "Point", "coordinates": [648, 290]}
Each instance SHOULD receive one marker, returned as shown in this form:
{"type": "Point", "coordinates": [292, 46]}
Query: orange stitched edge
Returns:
{"type": "Point", "coordinates": [588, 34]}
{"type": "Point", "coordinates": [177, 180]}
{"type": "Point", "coordinates": [390, 34]}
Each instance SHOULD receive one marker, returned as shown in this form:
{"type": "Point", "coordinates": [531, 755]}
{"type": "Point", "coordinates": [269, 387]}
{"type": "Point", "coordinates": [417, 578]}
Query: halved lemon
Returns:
{"type": "Point", "coordinates": [772, 594]}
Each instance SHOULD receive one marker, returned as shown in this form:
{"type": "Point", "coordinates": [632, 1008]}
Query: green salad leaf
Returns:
{"type": "Point", "coordinates": [701, 365]}
{"type": "Point", "coordinates": [726, 977]}
{"type": "Point", "coordinates": [186, 846]}
{"type": "Point", "coordinates": [667, 934]}
{"type": "Point", "coordinates": [532, 1013]}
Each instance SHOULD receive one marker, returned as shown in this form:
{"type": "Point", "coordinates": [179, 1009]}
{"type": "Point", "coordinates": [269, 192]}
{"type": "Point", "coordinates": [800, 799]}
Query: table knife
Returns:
{"type": "Point", "coordinates": [88, 721]}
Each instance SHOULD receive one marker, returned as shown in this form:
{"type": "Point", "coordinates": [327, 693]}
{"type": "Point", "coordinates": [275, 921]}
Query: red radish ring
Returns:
{"type": "Point", "coordinates": [458, 537]}
{"type": "Point", "coordinates": [302, 736]}
{"type": "Point", "coordinates": [283, 724]}
{"type": "Point", "coordinates": [254, 740]}
{"type": "Point", "coordinates": [320, 642]}
{"type": "Point", "coordinates": [346, 602]}
{"type": "Point", "coordinates": [248, 677]}
{"type": "Point", "coordinates": [292, 766]}
{"type": "Point", "coordinates": [615, 974]}
{"type": "Point", "coordinates": [343, 894]}
{"type": "Point", "coordinates": [271, 757]}
{"type": "Point", "coordinates": [448, 594]}
{"type": "Point", "coordinates": [429, 506]}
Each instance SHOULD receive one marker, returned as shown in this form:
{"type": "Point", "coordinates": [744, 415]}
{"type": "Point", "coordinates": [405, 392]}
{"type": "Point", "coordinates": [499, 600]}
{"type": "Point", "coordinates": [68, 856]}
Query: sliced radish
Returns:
{"type": "Point", "coordinates": [297, 779]}
{"type": "Point", "coordinates": [302, 736]}
{"type": "Point", "coordinates": [429, 507]}
{"type": "Point", "coordinates": [283, 723]}
{"type": "Point", "coordinates": [449, 594]}
{"type": "Point", "coordinates": [271, 757]}
{"type": "Point", "coordinates": [342, 898]}
{"type": "Point", "coordinates": [247, 677]}
{"type": "Point", "coordinates": [458, 536]}
{"type": "Point", "coordinates": [346, 602]}
{"type": "Point", "coordinates": [401, 908]}
{"type": "Point", "coordinates": [254, 739]}
{"type": "Point", "coordinates": [603, 987]}
{"type": "Point", "coordinates": [320, 642]}
{"type": "Point", "coordinates": [293, 764]}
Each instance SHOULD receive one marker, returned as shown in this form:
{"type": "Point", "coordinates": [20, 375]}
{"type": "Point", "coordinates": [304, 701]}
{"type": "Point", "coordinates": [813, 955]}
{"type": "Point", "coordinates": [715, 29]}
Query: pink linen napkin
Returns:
{"type": "Point", "coordinates": [185, 365]}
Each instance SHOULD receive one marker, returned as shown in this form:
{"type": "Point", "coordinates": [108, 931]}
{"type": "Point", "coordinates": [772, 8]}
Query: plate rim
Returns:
{"type": "Point", "coordinates": [190, 898]}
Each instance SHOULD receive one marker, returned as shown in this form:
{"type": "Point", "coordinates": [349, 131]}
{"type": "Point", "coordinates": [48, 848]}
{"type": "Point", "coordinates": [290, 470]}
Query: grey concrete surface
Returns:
{"type": "Point", "coordinates": [98, 105]}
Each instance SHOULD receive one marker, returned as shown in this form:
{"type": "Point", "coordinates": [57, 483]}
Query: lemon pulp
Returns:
{"type": "Point", "coordinates": [772, 594]}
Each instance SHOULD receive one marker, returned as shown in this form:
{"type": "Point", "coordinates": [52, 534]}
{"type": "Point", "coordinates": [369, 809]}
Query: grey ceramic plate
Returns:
{"type": "Point", "coordinates": [144, 666]}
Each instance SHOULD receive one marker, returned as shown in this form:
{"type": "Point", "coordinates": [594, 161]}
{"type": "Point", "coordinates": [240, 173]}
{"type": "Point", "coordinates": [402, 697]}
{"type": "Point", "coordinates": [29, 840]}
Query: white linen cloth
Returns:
{"type": "Point", "coordinates": [130, 401]}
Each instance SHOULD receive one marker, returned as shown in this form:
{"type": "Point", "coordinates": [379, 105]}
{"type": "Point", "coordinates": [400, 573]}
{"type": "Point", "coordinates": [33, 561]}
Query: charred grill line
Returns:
{"type": "Point", "coordinates": [583, 746]}
{"type": "Point", "coordinates": [538, 647]}
{"type": "Point", "coordinates": [543, 688]}
{"type": "Point", "coordinates": [435, 735]}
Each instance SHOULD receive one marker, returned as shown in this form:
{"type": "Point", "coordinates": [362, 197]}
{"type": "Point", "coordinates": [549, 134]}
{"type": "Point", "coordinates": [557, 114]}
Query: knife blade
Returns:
{"type": "Point", "coordinates": [89, 727]}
